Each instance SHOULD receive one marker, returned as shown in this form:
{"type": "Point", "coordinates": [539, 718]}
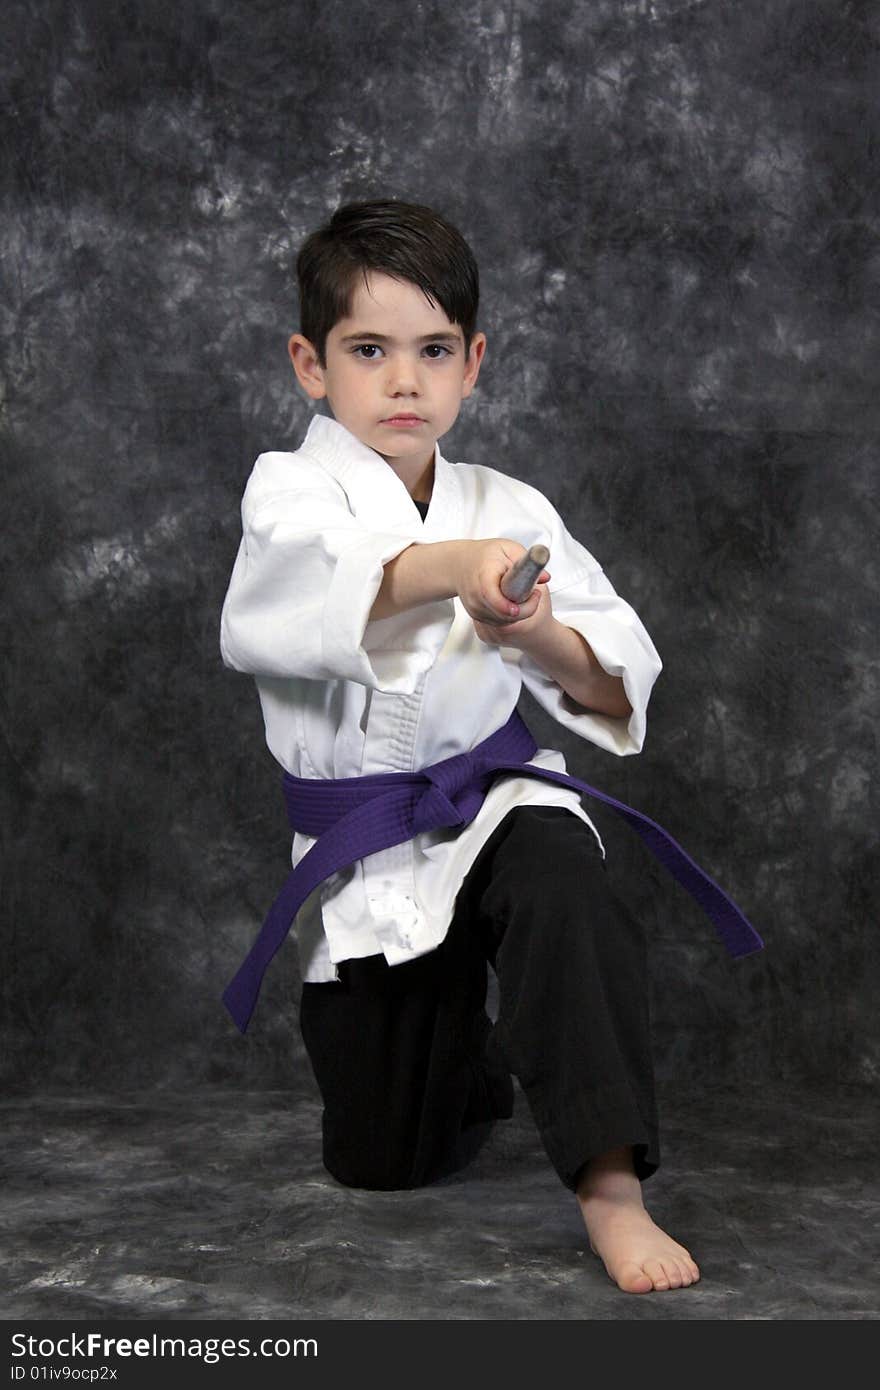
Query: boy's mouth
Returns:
{"type": "Point", "coordinates": [403, 421]}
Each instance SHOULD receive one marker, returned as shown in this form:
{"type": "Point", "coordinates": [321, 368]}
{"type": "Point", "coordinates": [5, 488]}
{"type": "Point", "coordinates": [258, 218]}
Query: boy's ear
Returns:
{"type": "Point", "coordinates": [309, 372]}
{"type": "Point", "coordinates": [472, 366]}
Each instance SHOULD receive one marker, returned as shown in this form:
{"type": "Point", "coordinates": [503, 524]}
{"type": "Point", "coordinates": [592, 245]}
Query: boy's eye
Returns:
{"type": "Point", "coordinates": [437, 350]}
{"type": "Point", "coordinates": [368, 352]}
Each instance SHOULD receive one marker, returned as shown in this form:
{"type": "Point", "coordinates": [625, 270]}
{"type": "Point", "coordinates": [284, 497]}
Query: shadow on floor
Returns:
{"type": "Point", "coordinates": [215, 1206]}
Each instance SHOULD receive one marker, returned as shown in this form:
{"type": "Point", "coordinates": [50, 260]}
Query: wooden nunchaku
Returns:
{"type": "Point", "coordinates": [519, 581]}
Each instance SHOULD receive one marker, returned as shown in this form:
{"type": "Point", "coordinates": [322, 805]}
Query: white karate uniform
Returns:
{"type": "Point", "coordinates": [343, 696]}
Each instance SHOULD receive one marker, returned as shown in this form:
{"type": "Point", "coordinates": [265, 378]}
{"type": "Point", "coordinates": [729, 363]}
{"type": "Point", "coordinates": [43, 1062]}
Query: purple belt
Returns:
{"type": "Point", "coordinates": [351, 817]}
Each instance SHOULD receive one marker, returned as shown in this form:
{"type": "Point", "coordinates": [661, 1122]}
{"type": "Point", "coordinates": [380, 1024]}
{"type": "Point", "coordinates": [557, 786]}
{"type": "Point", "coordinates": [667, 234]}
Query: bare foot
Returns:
{"type": "Point", "coordinates": [637, 1254]}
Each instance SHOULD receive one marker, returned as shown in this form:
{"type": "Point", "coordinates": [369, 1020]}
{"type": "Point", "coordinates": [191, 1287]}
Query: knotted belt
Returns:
{"type": "Point", "coordinates": [351, 817]}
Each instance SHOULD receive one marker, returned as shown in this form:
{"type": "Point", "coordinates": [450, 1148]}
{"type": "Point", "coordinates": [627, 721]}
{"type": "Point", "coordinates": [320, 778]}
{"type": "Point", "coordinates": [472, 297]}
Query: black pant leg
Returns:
{"type": "Point", "coordinates": [573, 1023]}
{"type": "Point", "coordinates": [411, 1071]}
{"type": "Point", "coordinates": [398, 1054]}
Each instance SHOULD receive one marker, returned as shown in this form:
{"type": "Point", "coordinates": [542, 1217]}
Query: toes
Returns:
{"type": "Point", "coordinates": [633, 1279]}
{"type": "Point", "coordinates": [673, 1273]}
{"type": "Point", "coordinates": [656, 1272]}
{"type": "Point", "coordinates": [690, 1270]}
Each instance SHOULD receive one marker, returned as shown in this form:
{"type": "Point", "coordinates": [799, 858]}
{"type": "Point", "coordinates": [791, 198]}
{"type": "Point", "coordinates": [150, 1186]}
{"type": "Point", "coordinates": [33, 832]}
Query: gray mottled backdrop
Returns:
{"type": "Point", "coordinates": [675, 207]}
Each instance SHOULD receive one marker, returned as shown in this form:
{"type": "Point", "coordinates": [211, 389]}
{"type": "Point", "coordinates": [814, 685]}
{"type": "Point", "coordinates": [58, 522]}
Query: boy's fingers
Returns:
{"type": "Point", "coordinates": [492, 610]}
{"type": "Point", "coordinates": [499, 606]}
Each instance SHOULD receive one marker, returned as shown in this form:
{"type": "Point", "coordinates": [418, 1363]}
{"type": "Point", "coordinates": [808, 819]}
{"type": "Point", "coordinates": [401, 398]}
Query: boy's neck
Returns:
{"type": "Point", "coordinates": [416, 476]}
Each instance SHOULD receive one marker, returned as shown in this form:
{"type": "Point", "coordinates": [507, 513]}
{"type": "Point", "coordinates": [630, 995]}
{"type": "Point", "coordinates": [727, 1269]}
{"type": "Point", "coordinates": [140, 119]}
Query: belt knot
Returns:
{"type": "Point", "coordinates": [452, 796]}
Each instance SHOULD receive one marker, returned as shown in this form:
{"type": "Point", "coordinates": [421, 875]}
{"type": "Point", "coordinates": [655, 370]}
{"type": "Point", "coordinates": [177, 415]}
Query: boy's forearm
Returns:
{"type": "Point", "coordinates": [423, 573]}
{"type": "Point", "coordinates": [567, 657]}
{"type": "Point", "coordinates": [426, 573]}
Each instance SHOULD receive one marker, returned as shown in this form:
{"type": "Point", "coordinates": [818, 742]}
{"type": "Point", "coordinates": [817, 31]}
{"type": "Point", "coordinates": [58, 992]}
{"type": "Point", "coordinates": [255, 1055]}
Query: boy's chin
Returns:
{"type": "Point", "coordinates": [402, 443]}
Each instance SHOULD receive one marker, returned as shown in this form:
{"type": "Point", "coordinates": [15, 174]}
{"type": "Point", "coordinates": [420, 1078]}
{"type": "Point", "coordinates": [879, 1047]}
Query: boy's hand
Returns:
{"type": "Point", "coordinates": [479, 571]}
{"type": "Point", "coordinates": [535, 616]}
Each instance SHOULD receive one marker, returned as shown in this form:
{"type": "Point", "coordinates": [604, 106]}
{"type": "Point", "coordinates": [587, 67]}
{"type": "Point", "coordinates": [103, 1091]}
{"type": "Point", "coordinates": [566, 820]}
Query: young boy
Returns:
{"type": "Point", "coordinates": [366, 600]}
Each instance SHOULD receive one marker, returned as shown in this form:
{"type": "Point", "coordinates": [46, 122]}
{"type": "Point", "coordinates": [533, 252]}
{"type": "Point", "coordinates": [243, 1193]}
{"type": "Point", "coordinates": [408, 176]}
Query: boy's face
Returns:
{"type": "Point", "coordinates": [396, 372]}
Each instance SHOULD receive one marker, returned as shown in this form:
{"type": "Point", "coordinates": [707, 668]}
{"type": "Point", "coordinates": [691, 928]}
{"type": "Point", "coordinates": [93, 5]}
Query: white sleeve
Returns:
{"type": "Point", "coordinates": [304, 580]}
{"type": "Point", "coordinates": [584, 599]}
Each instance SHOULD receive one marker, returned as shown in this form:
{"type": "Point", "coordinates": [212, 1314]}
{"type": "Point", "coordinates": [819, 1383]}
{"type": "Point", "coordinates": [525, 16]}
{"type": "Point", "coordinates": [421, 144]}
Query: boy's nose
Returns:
{"type": "Point", "coordinates": [403, 377]}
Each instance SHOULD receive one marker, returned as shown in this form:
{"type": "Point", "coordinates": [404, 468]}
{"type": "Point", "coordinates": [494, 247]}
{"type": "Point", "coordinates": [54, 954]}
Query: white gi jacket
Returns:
{"type": "Point", "coordinates": [343, 696]}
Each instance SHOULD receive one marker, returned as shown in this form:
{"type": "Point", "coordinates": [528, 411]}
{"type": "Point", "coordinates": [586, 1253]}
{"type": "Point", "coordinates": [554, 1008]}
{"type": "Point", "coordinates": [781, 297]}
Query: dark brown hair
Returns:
{"type": "Point", "coordinates": [404, 240]}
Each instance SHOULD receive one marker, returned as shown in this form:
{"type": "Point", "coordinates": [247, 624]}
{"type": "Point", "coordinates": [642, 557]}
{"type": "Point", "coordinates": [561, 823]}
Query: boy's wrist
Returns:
{"type": "Point", "coordinates": [566, 656]}
{"type": "Point", "coordinates": [425, 572]}
{"type": "Point", "coordinates": [540, 640]}
{"type": "Point", "coordinates": [442, 564]}
{"type": "Point", "coordinates": [459, 553]}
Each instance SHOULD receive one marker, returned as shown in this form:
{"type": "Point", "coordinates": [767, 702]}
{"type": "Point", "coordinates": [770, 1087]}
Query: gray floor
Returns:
{"type": "Point", "coordinates": [216, 1206]}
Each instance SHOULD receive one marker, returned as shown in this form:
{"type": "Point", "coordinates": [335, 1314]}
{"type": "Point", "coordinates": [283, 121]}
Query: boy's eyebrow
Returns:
{"type": "Point", "coordinates": [383, 338]}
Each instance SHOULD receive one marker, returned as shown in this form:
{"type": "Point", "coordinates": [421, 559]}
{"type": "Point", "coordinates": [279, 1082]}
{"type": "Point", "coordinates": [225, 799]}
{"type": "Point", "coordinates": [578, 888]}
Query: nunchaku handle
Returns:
{"type": "Point", "coordinates": [519, 581]}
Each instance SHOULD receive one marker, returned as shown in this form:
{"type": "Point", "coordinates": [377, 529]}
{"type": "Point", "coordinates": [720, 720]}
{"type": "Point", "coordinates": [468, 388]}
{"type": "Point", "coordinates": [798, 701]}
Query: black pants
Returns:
{"type": "Point", "coordinates": [413, 1073]}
